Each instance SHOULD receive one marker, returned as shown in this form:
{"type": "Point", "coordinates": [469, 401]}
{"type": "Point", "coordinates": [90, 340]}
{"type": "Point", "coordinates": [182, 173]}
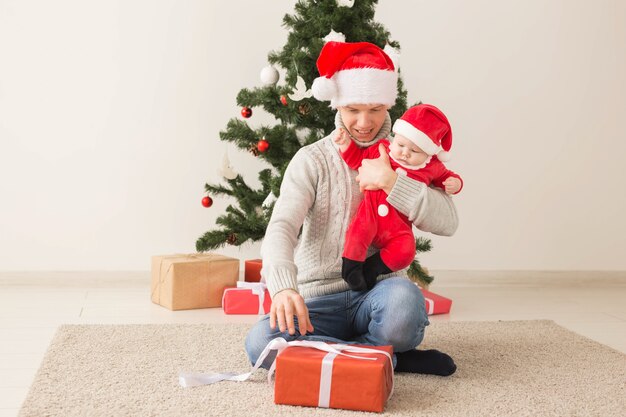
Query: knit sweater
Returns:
{"type": "Point", "coordinates": [320, 194]}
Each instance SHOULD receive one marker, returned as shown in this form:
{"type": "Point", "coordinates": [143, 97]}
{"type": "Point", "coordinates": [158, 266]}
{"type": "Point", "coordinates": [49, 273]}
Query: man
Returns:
{"type": "Point", "coordinates": [310, 300]}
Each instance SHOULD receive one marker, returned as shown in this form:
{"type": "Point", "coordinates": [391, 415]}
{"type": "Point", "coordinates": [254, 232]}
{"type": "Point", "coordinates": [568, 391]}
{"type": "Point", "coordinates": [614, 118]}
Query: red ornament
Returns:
{"type": "Point", "coordinates": [263, 145]}
{"type": "Point", "coordinates": [246, 112]}
{"type": "Point", "coordinates": [283, 100]}
{"type": "Point", "coordinates": [207, 201]}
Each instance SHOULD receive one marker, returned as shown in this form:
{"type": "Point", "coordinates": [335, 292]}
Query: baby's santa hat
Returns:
{"type": "Point", "coordinates": [355, 73]}
{"type": "Point", "coordinates": [427, 127]}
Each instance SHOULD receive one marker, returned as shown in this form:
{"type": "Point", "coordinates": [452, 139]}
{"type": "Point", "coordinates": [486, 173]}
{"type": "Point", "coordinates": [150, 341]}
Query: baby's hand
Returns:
{"type": "Point", "coordinates": [342, 139]}
{"type": "Point", "coordinates": [453, 185]}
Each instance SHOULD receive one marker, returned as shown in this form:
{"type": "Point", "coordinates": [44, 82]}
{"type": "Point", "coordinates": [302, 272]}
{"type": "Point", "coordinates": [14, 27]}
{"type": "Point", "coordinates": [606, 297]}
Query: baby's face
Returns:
{"type": "Point", "coordinates": [406, 152]}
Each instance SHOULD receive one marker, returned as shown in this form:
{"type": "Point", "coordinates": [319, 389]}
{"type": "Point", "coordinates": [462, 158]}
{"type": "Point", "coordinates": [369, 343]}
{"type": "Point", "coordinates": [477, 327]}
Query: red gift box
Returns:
{"type": "Point", "coordinates": [311, 377]}
{"type": "Point", "coordinates": [245, 299]}
{"type": "Point", "coordinates": [436, 304]}
{"type": "Point", "coordinates": [253, 270]}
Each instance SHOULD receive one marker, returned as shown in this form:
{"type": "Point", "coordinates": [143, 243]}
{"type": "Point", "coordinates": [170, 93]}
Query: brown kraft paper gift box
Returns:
{"type": "Point", "coordinates": [184, 282]}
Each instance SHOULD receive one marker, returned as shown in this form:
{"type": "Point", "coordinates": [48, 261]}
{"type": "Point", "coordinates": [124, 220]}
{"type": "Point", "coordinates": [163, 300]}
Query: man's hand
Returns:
{"type": "Point", "coordinates": [285, 305]}
{"type": "Point", "coordinates": [376, 174]}
{"type": "Point", "coordinates": [452, 184]}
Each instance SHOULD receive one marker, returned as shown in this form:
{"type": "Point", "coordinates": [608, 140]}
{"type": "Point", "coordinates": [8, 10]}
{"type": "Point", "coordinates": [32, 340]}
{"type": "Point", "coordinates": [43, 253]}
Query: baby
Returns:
{"type": "Point", "coordinates": [422, 140]}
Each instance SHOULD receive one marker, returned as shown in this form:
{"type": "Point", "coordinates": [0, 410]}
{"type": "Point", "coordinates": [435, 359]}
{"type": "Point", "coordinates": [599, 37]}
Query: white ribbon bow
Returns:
{"type": "Point", "coordinates": [258, 288]}
{"type": "Point", "coordinates": [191, 379]}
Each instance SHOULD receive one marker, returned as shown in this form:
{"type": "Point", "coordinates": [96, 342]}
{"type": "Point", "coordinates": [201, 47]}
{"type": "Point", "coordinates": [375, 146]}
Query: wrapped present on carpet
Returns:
{"type": "Point", "coordinates": [182, 282]}
{"type": "Point", "coordinates": [435, 303]}
{"type": "Point", "coordinates": [247, 298]}
{"type": "Point", "coordinates": [361, 379]}
{"type": "Point", "coordinates": [318, 374]}
{"type": "Point", "coordinates": [252, 270]}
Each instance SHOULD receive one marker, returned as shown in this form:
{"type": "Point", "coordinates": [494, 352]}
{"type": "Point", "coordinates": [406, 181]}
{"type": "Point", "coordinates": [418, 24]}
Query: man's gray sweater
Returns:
{"type": "Point", "coordinates": [319, 193]}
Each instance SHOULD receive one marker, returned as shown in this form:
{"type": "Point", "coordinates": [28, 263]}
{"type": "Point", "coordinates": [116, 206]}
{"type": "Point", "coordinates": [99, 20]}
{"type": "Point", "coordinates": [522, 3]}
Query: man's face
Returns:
{"type": "Point", "coordinates": [363, 121]}
{"type": "Point", "coordinates": [406, 152]}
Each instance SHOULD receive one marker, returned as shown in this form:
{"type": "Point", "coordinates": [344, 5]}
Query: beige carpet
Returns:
{"type": "Point", "coordinates": [533, 368]}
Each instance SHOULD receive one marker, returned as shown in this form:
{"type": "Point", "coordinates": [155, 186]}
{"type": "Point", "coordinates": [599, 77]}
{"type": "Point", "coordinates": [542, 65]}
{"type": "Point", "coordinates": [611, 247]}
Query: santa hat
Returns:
{"type": "Point", "coordinates": [355, 73]}
{"type": "Point", "coordinates": [427, 127]}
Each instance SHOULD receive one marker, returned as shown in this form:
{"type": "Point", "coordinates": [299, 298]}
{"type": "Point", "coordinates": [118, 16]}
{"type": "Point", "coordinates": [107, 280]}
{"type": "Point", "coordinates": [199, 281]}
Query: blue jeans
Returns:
{"type": "Point", "coordinates": [391, 313]}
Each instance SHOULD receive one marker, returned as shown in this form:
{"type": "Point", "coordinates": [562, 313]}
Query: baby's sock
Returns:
{"type": "Point", "coordinates": [352, 273]}
{"type": "Point", "coordinates": [430, 362]}
{"type": "Point", "coordinates": [373, 267]}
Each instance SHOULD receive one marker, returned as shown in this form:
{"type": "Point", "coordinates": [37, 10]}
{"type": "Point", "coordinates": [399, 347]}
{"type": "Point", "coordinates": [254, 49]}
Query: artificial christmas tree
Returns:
{"type": "Point", "coordinates": [300, 118]}
{"type": "Point", "coordinates": [417, 272]}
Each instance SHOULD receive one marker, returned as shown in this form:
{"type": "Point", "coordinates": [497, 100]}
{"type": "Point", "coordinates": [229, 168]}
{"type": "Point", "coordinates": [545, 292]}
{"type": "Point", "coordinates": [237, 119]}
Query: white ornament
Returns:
{"type": "Point", "coordinates": [394, 55]}
{"type": "Point", "coordinates": [269, 200]}
{"type": "Point", "coordinates": [259, 211]}
{"type": "Point", "coordinates": [345, 3]}
{"type": "Point", "coordinates": [383, 210]}
{"type": "Point", "coordinates": [269, 75]}
{"type": "Point", "coordinates": [226, 170]}
{"type": "Point", "coordinates": [300, 92]}
{"type": "Point", "coordinates": [303, 135]}
{"type": "Point", "coordinates": [335, 37]}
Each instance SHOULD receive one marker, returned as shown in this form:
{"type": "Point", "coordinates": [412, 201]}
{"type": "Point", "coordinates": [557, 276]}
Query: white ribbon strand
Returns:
{"type": "Point", "coordinates": [258, 288]}
{"type": "Point", "coordinates": [430, 305]}
{"type": "Point", "coordinates": [326, 379]}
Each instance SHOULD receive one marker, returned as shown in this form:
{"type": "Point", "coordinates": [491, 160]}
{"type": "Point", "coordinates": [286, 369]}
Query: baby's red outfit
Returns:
{"type": "Point", "coordinates": [376, 221]}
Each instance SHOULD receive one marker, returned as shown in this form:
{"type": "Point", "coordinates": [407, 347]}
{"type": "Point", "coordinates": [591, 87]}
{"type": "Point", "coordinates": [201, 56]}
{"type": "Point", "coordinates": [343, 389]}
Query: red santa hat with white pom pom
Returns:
{"type": "Point", "coordinates": [427, 127]}
{"type": "Point", "coordinates": [355, 73]}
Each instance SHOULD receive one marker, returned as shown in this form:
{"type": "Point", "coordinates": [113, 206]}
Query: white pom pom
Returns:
{"type": "Point", "coordinates": [324, 89]}
{"type": "Point", "coordinates": [444, 156]}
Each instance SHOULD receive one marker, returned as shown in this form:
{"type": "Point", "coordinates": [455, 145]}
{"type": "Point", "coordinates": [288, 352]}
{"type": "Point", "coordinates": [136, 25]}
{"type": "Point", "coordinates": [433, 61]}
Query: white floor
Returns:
{"type": "Point", "coordinates": [32, 305]}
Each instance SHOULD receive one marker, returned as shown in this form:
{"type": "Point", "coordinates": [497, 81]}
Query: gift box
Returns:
{"type": "Point", "coordinates": [436, 304]}
{"type": "Point", "coordinates": [318, 374]}
{"type": "Point", "coordinates": [312, 377]}
{"type": "Point", "coordinates": [247, 298]}
{"type": "Point", "coordinates": [182, 282]}
{"type": "Point", "coordinates": [252, 270]}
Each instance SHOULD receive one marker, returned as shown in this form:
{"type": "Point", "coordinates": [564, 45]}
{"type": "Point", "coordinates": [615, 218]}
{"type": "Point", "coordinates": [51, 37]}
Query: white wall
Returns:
{"type": "Point", "coordinates": [110, 113]}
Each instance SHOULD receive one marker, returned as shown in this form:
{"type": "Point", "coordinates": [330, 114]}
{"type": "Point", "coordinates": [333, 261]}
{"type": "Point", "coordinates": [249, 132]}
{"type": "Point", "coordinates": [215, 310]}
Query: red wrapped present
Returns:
{"type": "Point", "coordinates": [319, 374]}
{"type": "Point", "coordinates": [247, 298]}
{"type": "Point", "coordinates": [357, 378]}
{"type": "Point", "coordinates": [436, 304]}
{"type": "Point", "coordinates": [253, 270]}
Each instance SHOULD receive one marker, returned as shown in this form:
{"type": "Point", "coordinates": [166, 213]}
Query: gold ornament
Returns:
{"type": "Point", "coordinates": [232, 239]}
{"type": "Point", "coordinates": [304, 108]}
{"type": "Point", "coordinates": [253, 150]}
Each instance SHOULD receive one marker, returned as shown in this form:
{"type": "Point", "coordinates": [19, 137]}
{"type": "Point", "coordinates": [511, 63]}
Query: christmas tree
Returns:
{"type": "Point", "coordinates": [300, 118]}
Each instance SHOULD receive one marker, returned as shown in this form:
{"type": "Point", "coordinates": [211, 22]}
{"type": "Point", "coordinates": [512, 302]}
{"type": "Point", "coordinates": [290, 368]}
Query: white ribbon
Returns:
{"type": "Point", "coordinates": [192, 379]}
{"type": "Point", "coordinates": [258, 288]}
{"type": "Point", "coordinates": [430, 305]}
{"type": "Point", "coordinates": [326, 377]}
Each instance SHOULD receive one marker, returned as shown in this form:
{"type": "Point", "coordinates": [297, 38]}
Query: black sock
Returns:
{"type": "Point", "coordinates": [352, 273]}
{"type": "Point", "coordinates": [430, 362]}
{"type": "Point", "coordinates": [372, 268]}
